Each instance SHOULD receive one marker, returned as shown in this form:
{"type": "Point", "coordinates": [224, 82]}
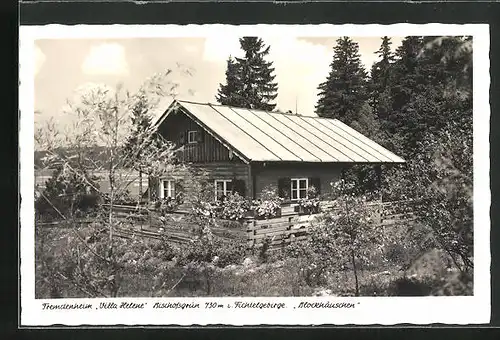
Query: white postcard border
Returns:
{"type": "Point", "coordinates": [362, 310]}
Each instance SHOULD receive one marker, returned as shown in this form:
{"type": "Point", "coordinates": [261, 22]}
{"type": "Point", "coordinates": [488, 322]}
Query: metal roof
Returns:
{"type": "Point", "coordinates": [273, 136]}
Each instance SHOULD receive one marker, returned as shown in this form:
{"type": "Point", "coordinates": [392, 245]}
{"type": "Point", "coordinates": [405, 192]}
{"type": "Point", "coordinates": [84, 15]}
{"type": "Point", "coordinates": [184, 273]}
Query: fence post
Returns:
{"type": "Point", "coordinates": [254, 232]}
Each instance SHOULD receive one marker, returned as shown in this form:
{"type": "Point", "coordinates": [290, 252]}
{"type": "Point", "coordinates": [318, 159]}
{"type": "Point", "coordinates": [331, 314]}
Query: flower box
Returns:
{"type": "Point", "coordinates": [276, 213]}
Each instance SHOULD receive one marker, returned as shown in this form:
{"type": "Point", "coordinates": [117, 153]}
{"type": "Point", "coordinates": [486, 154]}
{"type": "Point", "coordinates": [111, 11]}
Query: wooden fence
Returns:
{"type": "Point", "coordinates": [282, 231]}
{"type": "Point", "coordinates": [278, 232]}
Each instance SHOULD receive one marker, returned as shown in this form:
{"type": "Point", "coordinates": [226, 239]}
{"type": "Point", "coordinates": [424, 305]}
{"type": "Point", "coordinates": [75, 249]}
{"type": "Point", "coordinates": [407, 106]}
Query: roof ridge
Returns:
{"type": "Point", "coordinates": [238, 107]}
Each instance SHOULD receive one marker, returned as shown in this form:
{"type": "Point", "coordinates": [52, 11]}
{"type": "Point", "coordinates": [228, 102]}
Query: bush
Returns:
{"type": "Point", "coordinates": [228, 224]}
{"type": "Point", "coordinates": [232, 207]}
{"type": "Point", "coordinates": [69, 192]}
{"type": "Point", "coordinates": [310, 204]}
{"type": "Point", "coordinates": [343, 238]}
{"type": "Point", "coordinates": [210, 249]}
{"type": "Point", "coordinates": [439, 178]}
{"type": "Point", "coordinates": [269, 203]}
{"type": "Point", "coordinates": [123, 199]}
{"type": "Point", "coordinates": [166, 205]}
{"type": "Point", "coordinates": [264, 250]}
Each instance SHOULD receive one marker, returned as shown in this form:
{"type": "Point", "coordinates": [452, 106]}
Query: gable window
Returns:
{"type": "Point", "coordinates": [299, 188]}
{"type": "Point", "coordinates": [193, 137]}
{"type": "Point", "coordinates": [222, 188]}
{"type": "Point", "coordinates": [167, 189]}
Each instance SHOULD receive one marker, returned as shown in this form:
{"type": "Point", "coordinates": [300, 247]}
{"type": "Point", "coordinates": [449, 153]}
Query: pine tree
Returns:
{"type": "Point", "coordinates": [250, 80]}
{"type": "Point", "coordinates": [399, 120]}
{"type": "Point", "coordinates": [230, 94]}
{"type": "Point", "coordinates": [424, 90]}
{"type": "Point", "coordinates": [380, 69]}
{"type": "Point", "coordinates": [344, 92]}
{"type": "Point", "coordinates": [380, 80]}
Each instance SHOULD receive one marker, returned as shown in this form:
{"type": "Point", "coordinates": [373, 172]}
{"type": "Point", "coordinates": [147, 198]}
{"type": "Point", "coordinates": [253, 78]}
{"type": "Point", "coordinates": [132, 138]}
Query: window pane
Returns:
{"type": "Point", "coordinates": [303, 193]}
{"type": "Point", "coordinates": [172, 189]}
{"type": "Point", "coordinates": [303, 184]}
{"type": "Point", "coordinates": [221, 188]}
{"type": "Point", "coordinates": [192, 136]}
{"type": "Point", "coordinates": [294, 184]}
{"type": "Point", "coordinates": [229, 187]}
{"type": "Point", "coordinates": [166, 189]}
{"type": "Point", "coordinates": [294, 194]}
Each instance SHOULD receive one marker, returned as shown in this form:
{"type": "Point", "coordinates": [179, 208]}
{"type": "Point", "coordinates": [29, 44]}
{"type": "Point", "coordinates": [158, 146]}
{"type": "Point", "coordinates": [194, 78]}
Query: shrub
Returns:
{"type": "Point", "coordinates": [232, 207]}
{"type": "Point", "coordinates": [228, 224]}
{"type": "Point", "coordinates": [439, 178]}
{"type": "Point", "coordinates": [123, 199]}
{"type": "Point", "coordinates": [313, 257]}
{"type": "Point", "coordinates": [264, 250]}
{"type": "Point", "coordinates": [310, 204]}
{"type": "Point", "coordinates": [69, 192]}
{"type": "Point", "coordinates": [343, 237]}
{"type": "Point", "coordinates": [269, 203]}
{"type": "Point", "coordinates": [410, 287]}
{"type": "Point", "coordinates": [207, 209]}
{"type": "Point", "coordinates": [210, 249]}
{"type": "Point", "coordinates": [166, 205]}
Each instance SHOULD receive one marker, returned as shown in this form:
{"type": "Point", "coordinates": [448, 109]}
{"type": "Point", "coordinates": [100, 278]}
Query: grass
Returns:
{"type": "Point", "coordinates": [278, 277]}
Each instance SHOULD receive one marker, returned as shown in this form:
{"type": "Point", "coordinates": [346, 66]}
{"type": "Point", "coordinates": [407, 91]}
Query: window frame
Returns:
{"type": "Point", "coordinates": [224, 187]}
{"type": "Point", "coordinates": [298, 189]}
{"type": "Point", "coordinates": [170, 188]}
{"type": "Point", "coordinates": [192, 140]}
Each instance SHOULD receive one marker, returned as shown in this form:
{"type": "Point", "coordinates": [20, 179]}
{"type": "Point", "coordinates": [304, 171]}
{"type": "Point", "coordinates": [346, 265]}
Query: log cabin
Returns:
{"type": "Point", "coordinates": [245, 150]}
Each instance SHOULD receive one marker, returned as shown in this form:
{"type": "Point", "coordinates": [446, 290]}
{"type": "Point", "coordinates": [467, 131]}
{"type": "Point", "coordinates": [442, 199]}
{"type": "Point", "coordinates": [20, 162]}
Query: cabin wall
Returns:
{"type": "Point", "coordinates": [195, 173]}
{"type": "Point", "coordinates": [227, 170]}
{"type": "Point", "coordinates": [270, 174]}
{"type": "Point", "coordinates": [208, 149]}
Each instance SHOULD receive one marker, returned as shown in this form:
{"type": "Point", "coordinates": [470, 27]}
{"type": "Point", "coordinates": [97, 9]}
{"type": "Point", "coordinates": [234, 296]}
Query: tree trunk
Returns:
{"type": "Point", "coordinates": [111, 201]}
{"type": "Point", "coordinates": [378, 170]}
{"type": "Point", "coordinates": [355, 271]}
{"type": "Point", "coordinates": [140, 185]}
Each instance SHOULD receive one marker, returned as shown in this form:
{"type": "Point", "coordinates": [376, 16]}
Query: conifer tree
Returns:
{"type": "Point", "coordinates": [380, 69]}
{"type": "Point", "coordinates": [344, 92]}
{"type": "Point", "coordinates": [423, 101]}
{"type": "Point", "coordinates": [380, 80]}
{"type": "Point", "coordinates": [250, 80]}
{"type": "Point", "coordinates": [230, 94]}
{"type": "Point", "coordinates": [403, 87]}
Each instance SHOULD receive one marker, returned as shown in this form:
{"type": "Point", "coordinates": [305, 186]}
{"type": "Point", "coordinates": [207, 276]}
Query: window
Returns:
{"type": "Point", "coordinates": [167, 189]}
{"type": "Point", "coordinates": [299, 188]}
{"type": "Point", "coordinates": [192, 137]}
{"type": "Point", "coordinates": [222, 188]}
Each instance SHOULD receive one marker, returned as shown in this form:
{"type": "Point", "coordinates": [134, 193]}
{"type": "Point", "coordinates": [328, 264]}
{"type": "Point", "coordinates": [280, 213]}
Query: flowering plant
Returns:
{"type": "Point", "coordinates": [204, 208]}
{"type": "Point", "coordinates": [269, 203]}
{"type": "Point", "coordinates": [310, 203]}
{"type": "Point", "coordinates": [166, 205]}
{"type": "Point", "coordinates": [233, 207]}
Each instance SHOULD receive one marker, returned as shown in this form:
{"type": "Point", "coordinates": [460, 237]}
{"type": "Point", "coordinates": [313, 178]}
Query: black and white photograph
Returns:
{"type": "Point", "coordinates": [215, 173]}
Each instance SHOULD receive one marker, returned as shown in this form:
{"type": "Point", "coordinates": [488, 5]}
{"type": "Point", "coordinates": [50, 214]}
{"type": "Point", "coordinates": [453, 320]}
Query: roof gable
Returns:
{"type": "Point", "coordinates": [271, 136]}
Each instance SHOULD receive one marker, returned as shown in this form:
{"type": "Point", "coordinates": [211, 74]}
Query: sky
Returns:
{"type": "Point", "coordinates": [63, 67]}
